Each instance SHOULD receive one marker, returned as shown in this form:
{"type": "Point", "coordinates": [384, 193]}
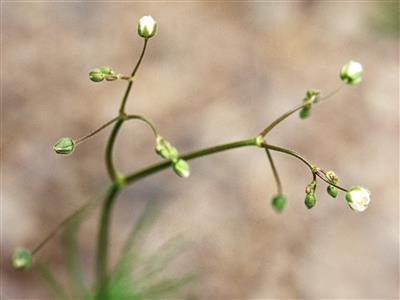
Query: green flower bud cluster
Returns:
{"type": "Point", "coordinates": [332, 178]}
{"type": "Point", "coordinates": [310, 98]}
{"type": "Point", "coordinates": [310, 199]}
{"type": "Point", "coordinates": [167, 151]}
{"type": "Point", "coordinates": [64, 146]}
{"type": "Point", "coordinates": [21, 259]}
{"type": "Point", "coordinates": [99, 74]}
{"type": "Point", "coordinates": [278, 203]}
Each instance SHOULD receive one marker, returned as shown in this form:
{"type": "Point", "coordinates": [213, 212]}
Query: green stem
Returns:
{"type": "Point", "coordinates": [188, 156]}
{"type": "Point", "coordinates": [274, 171]}
{"type": "Point", "coordinates": [102, 242]}
{"type": "Point", "coordinates": [112, 171]}
{"type": "Point", "coordinates": [81, 139]}
{"type": "Point", "coordinates": [141, 118]}
{"type": "Point", "coordinates": [128, 89]}
{"type": "Point", "coordinates": [290, 152]}
{"type": "Point", "coordinates": [284, 116]}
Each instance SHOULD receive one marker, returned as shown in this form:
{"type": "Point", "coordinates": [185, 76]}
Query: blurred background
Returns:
{"type": "Point", "coordinates": [215, 73]}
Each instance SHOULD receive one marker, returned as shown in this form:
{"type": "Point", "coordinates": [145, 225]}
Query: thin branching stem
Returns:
{"type": "Point", "coordinates": [274, 171]}
{"type": "Point", "coordinates": [82, 139]}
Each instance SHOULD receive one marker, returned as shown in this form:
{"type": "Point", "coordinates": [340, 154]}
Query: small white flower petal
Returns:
{"type": "Point", "coordinates": [147, 27]}
{"type": "Point", "coordinates": [351, 73]}
{"type": "Point", "coordinates": [358, 198]}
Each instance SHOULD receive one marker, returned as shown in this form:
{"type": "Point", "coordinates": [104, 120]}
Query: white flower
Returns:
{"type": "Point", "coordinates": [351, 73]}
{"type": "Point", "coordinates": [358, 198]}
{"type": "Point", "coordinates": [147, 27]}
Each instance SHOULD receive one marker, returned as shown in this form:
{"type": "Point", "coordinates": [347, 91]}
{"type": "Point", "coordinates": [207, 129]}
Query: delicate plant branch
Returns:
{"type": "Point", "coordinates": [357, 197]}
{"type": "Point", "coordinates": [135, 69]}
{"type": "Point", "coordinates": [274, 171]}
{"type": "Point", "coordinates": [82, 139]}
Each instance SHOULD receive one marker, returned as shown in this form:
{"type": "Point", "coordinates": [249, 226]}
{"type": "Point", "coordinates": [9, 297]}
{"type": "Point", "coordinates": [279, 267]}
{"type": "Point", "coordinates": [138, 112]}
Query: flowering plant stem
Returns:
{"type": "Point", "coordinates": [119, 181]}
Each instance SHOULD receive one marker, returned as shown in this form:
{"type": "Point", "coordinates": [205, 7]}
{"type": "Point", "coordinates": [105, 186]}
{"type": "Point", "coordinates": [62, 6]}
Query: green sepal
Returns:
{"type": "Point", "coordinates": [332, 190]}
{"type": "Point", "coordinates": [21, 259]}
{"type": "Point", "coordinates": [64, 146]}
{"type": "Point", "coordinates": [181, 168]}
{"type": "Point", "coordinates": [165, 149]}
{"type": "Point", "coordinates": [310, 201]}
{"type": "Point", "coordinates": [278, 203]}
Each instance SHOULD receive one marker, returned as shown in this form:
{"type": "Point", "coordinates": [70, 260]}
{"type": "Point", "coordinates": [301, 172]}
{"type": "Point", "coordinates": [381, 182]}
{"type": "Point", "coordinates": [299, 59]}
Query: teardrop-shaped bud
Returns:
{"type": "Point", "coordinates": [96, 75]}
{"type": "Point", "coordinates": [64, 146]}
{"type": "Point", "coordinates": [333, 191]}
{"type": "Point", "coordinates": [278, 203]}
{"type": "Point", "coordinates": [181, 168]}
{"type": "Point", "coordinates": [165, 149]}
{"type": "Point", "coordinates": [21, 259]}
{"type": "Point", "coordinates": [310, 201]}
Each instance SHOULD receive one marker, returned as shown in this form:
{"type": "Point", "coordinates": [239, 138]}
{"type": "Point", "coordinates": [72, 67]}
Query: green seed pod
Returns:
{"type": "Point", "coordinates": [106, 70]}
{"type": "Point", "coordinates": [96, 75]}
{"type": "Point", "coordinates": [304, 112]}
{"type": "Point", "coordinates": [165, 149]}
{"type": "Point", "coordinates": [333, 191]}
{"type": "Point", "coordinates": [181, 168]}
{"type": "Point", "coordinates": [310, 201]}
{"type": "Point", "coordinates": [351, 73]}
{"type": "Point", "coordinates": [21, 259]}
{"type": "Point", "coordinates": [278, 203]}
{"type": "Point", "coordinates": [64, 146]}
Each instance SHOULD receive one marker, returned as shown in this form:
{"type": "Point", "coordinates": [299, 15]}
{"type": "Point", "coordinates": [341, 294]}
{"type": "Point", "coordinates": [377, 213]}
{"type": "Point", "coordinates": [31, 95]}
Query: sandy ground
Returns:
{"type": "Point", "coordinates": [215, 73]}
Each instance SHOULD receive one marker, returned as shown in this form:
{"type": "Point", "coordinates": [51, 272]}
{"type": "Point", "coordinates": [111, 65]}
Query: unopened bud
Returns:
{"type": "Point", "coordinates": [332, 190]}
{"type": "Point", "coordinates": [165, 149]}
{"type": "Point", "coordinates": [147, 27]}
{"type": "Point", "coordinates": [64, 146]}
{"type": "Point", "coordinates": [21, 259]}
{"type": "Point", "coordinates": [278, 203]}
{"type": "Point", "coordinates": [181, 168]}
{"type": "Point", "coordinates": [96, 75]}
{"type": "Point", "coordinates": [310, 201]}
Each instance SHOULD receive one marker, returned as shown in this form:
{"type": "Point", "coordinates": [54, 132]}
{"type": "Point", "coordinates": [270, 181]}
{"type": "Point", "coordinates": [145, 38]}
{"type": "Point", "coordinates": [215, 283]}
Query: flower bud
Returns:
{"type": "Point", "coordinates": [96, 75]}
{"type": "Point", "coordinates": [106, 70]}
{"type": "Point", "coordinates": [304, 112]}
{"type": "Point", "coordinates": [181, 168]}
{"type": "Point", "coordinates": [358, 198]}
{"type": "Point", "coordinates": [278, 203]}
{"type": "Point", "coordinates": [332, 190]}
{"type": "Point", "coordinates": [147, 27]}
{"type": "Point", "coordinates": [310, 201]}
{"type": "Point", "coordinates": [64, 146]}
{"type": "Point", "coordinates": [165, 149]}
{"type": "Point", "coordinates": [21, 259]}
{"type": "Point", "coordinates": [351, 73]}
